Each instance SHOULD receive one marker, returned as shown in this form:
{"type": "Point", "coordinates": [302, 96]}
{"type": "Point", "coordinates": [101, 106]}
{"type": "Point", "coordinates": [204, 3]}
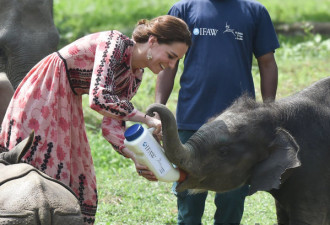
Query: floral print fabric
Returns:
{"type": "Point", "coordinates": [48, 101]}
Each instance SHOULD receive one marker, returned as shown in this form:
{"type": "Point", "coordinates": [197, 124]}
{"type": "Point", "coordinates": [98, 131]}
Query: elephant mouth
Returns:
{"type": "Point", "coordinates": [183, 176]}
{"type": "Point", "coordinates": [183, 179]}
{"type": "Point", "coordinates": [189, 184]}
{"type": "Point", "coordinates": [178, 186]}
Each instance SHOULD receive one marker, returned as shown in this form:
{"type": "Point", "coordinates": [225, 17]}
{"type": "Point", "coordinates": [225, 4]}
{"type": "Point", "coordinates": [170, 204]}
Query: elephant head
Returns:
{"type": "Point", "coordinates": [28, 196]}
{"type": "Point", "coordinates": [27, 34]}
{"type": "Point", "coordinates": [231, 150]}
{"type": "Point", "coordinates": [15, 155]}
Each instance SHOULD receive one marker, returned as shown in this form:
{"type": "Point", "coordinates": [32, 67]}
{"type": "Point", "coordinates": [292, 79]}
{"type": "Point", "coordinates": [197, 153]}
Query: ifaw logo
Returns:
{"type": "Point", "coordinates": [238, 35]}
{"type": "Point", "coordinates": [202, 31]}
{"type": "Point", "coordinates": [205, 31]}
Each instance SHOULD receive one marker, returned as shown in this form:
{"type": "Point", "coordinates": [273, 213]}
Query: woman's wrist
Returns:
{"type": "Point", "coordinates": [148, 120]}
{"type": "Point", "coordinates": [128, 154]}
{"type": "Point", "coordinates": [139, 117]}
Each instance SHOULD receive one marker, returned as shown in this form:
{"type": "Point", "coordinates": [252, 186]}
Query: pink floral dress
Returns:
{"type": "Point", "coordinates": [49, 101]}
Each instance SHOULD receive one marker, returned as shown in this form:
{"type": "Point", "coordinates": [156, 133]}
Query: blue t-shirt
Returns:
{"type": "Point", "coordinates": [217, 67]}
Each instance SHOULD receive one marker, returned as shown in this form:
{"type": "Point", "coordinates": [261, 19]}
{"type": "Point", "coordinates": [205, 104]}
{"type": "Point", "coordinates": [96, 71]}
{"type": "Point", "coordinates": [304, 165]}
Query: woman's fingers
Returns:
{"type": "Point", "coordinates": [147, 174]}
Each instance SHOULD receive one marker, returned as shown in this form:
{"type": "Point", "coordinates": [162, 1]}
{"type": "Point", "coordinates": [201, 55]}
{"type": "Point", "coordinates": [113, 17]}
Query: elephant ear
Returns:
{"type": "Point", "coordinates": [268, 174]}
{"type": "Point", "coordinates": [15, 155]}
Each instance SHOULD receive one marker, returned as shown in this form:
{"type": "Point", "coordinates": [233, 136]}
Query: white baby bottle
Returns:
{"type": "Point", "coordinates": [148, 152]}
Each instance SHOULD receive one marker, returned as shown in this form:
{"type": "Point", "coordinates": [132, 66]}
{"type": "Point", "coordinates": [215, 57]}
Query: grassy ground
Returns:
{"type": "Point", "coordinates": [75, 19]}
{"type": "Point", "coordinates": [126, 198]}
{"type": "Point", "coordinates": [152, 203]}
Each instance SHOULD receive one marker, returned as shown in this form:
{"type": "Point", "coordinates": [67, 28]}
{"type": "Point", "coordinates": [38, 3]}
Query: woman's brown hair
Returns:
{"type": "Point", "coordinates": [167, 29]}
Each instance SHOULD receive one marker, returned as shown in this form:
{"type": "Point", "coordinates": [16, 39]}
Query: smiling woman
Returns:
{"type": "Point", "coordinates": [109, 67]}
{"type": "Point", "coordinates": [162, 56]}
{"type": "Point", "coordinates": [162, 41]}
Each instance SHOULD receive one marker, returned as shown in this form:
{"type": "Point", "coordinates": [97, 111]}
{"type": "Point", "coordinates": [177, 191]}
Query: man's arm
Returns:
{"type": "Point", "coordinates": [268, 76]}
{"type": "Point", "coordinates": [164, 84]}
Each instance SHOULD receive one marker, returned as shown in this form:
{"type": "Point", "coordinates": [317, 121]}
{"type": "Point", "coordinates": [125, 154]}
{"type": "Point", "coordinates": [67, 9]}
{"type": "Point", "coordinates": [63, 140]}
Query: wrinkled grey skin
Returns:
{"type": "Point", "coordinates": [28, 196]}
{"type": "Point", "coordinates": [27, 34]}
{"type": "Point", "coordinates": [6, 92]}
{"type": "Point", "coordinates": [281, 147]}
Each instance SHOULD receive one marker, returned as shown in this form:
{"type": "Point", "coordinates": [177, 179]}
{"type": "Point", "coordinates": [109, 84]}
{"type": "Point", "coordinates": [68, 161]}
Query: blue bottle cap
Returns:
{"type": "Point", "coordinates": [133, 132]}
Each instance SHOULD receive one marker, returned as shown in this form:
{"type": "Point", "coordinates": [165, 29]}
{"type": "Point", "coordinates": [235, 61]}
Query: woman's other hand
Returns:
{"type": "Point", "coordinates": [140, 169]}
{"type": "Point", "coordinates": [145, 172]}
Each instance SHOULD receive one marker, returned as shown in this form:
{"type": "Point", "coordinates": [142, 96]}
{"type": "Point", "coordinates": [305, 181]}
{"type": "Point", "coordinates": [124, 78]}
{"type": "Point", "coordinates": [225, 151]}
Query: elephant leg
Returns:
{"type": "Point", "coordinates": [6, 92]}
{"type": "Point", "coordinates": [282, 216]}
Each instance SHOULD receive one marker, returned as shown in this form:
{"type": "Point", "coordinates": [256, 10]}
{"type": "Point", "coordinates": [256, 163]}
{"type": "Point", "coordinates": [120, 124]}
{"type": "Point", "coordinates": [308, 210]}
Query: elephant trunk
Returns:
{"type": "Point", "coordinates": [179, 154]}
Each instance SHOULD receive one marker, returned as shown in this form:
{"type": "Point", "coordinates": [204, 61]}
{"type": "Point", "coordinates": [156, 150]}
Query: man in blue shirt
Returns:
{"type": "Point", "coordinates": [217, 70]}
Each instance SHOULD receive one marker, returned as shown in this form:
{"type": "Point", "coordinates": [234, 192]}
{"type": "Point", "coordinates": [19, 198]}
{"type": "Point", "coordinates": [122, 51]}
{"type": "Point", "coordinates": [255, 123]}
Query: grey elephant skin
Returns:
{"type": "Point", "coordinates": [27, 34]}
{"type": "Point", "coordinates": [6, 92]}
{"type": "Point", "coordinates": [28, 196]}
{"type": "Point", "coordinates": [281, 147]}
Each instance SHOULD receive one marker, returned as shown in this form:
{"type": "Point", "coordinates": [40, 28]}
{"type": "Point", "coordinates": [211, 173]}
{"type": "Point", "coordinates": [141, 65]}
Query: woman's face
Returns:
{"type": "Point", "coordinates": [165, 55]}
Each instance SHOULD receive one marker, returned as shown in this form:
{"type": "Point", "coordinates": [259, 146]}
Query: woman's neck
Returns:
{"type": "Point", "coordinates": [139, 56]}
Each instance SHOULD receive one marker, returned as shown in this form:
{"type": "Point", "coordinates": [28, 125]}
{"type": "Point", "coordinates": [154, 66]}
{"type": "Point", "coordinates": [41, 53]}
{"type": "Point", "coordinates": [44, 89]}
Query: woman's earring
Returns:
{"type": "Point", "coordinates": [149, 56]}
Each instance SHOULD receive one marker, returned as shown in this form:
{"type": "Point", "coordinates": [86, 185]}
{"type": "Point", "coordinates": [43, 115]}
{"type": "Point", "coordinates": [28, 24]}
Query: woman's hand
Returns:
{"type": "Point", "coordinates": [155, 123]}
{"type": "Point", "coordinates": [145, 172]}
{"type": "Point", "coordinates": [149, 121]}
{"type": "Point", "coordinates": [140, 169]}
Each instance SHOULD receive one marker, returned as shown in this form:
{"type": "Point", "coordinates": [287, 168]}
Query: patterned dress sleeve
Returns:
{"type": "Point", "coordinates": [110, 57]}
{"type": "Point", "coordinates": [113, 131]}
{"type": "Point", "coordinates": [111, 62]}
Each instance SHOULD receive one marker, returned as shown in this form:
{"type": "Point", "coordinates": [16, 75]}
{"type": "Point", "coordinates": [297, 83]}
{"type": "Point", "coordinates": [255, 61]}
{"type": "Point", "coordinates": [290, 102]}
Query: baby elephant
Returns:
{"type": "Point", "coordinates": [28, 196]}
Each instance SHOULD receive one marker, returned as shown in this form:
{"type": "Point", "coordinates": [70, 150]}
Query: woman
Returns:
{"type": "Point", "coordinates": [109, 67]}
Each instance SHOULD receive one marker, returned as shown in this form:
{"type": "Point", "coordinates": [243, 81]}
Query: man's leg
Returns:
{"type": "Point", "coordinates": [230, 206]}
{"type": "Point", "coordinates": [190, 208]}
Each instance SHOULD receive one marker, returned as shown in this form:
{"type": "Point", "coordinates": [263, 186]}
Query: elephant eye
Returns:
{"type": "Point", "coordinates": [223, 151]}
{"type": "Point", "coordinates": [2, 53]}
{"type": "Point", "coordinates": [3, 60]}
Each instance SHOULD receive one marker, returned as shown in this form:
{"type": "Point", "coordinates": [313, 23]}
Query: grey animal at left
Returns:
{"type": "Point", "coordinates": [6, 92]}
{"type": "Point", "coordinates": [27, 34]}
{"type": "Point", "coordinates": [28, 196]}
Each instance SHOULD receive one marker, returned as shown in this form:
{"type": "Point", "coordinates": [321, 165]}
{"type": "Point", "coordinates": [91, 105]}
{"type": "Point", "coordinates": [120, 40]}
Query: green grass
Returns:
{"type": "Point", "coordinates": [75, 19]}
{"type": "Point", "coordinates": [126, 198]}
{"type": "Point", "coordinates": [290, 11]}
